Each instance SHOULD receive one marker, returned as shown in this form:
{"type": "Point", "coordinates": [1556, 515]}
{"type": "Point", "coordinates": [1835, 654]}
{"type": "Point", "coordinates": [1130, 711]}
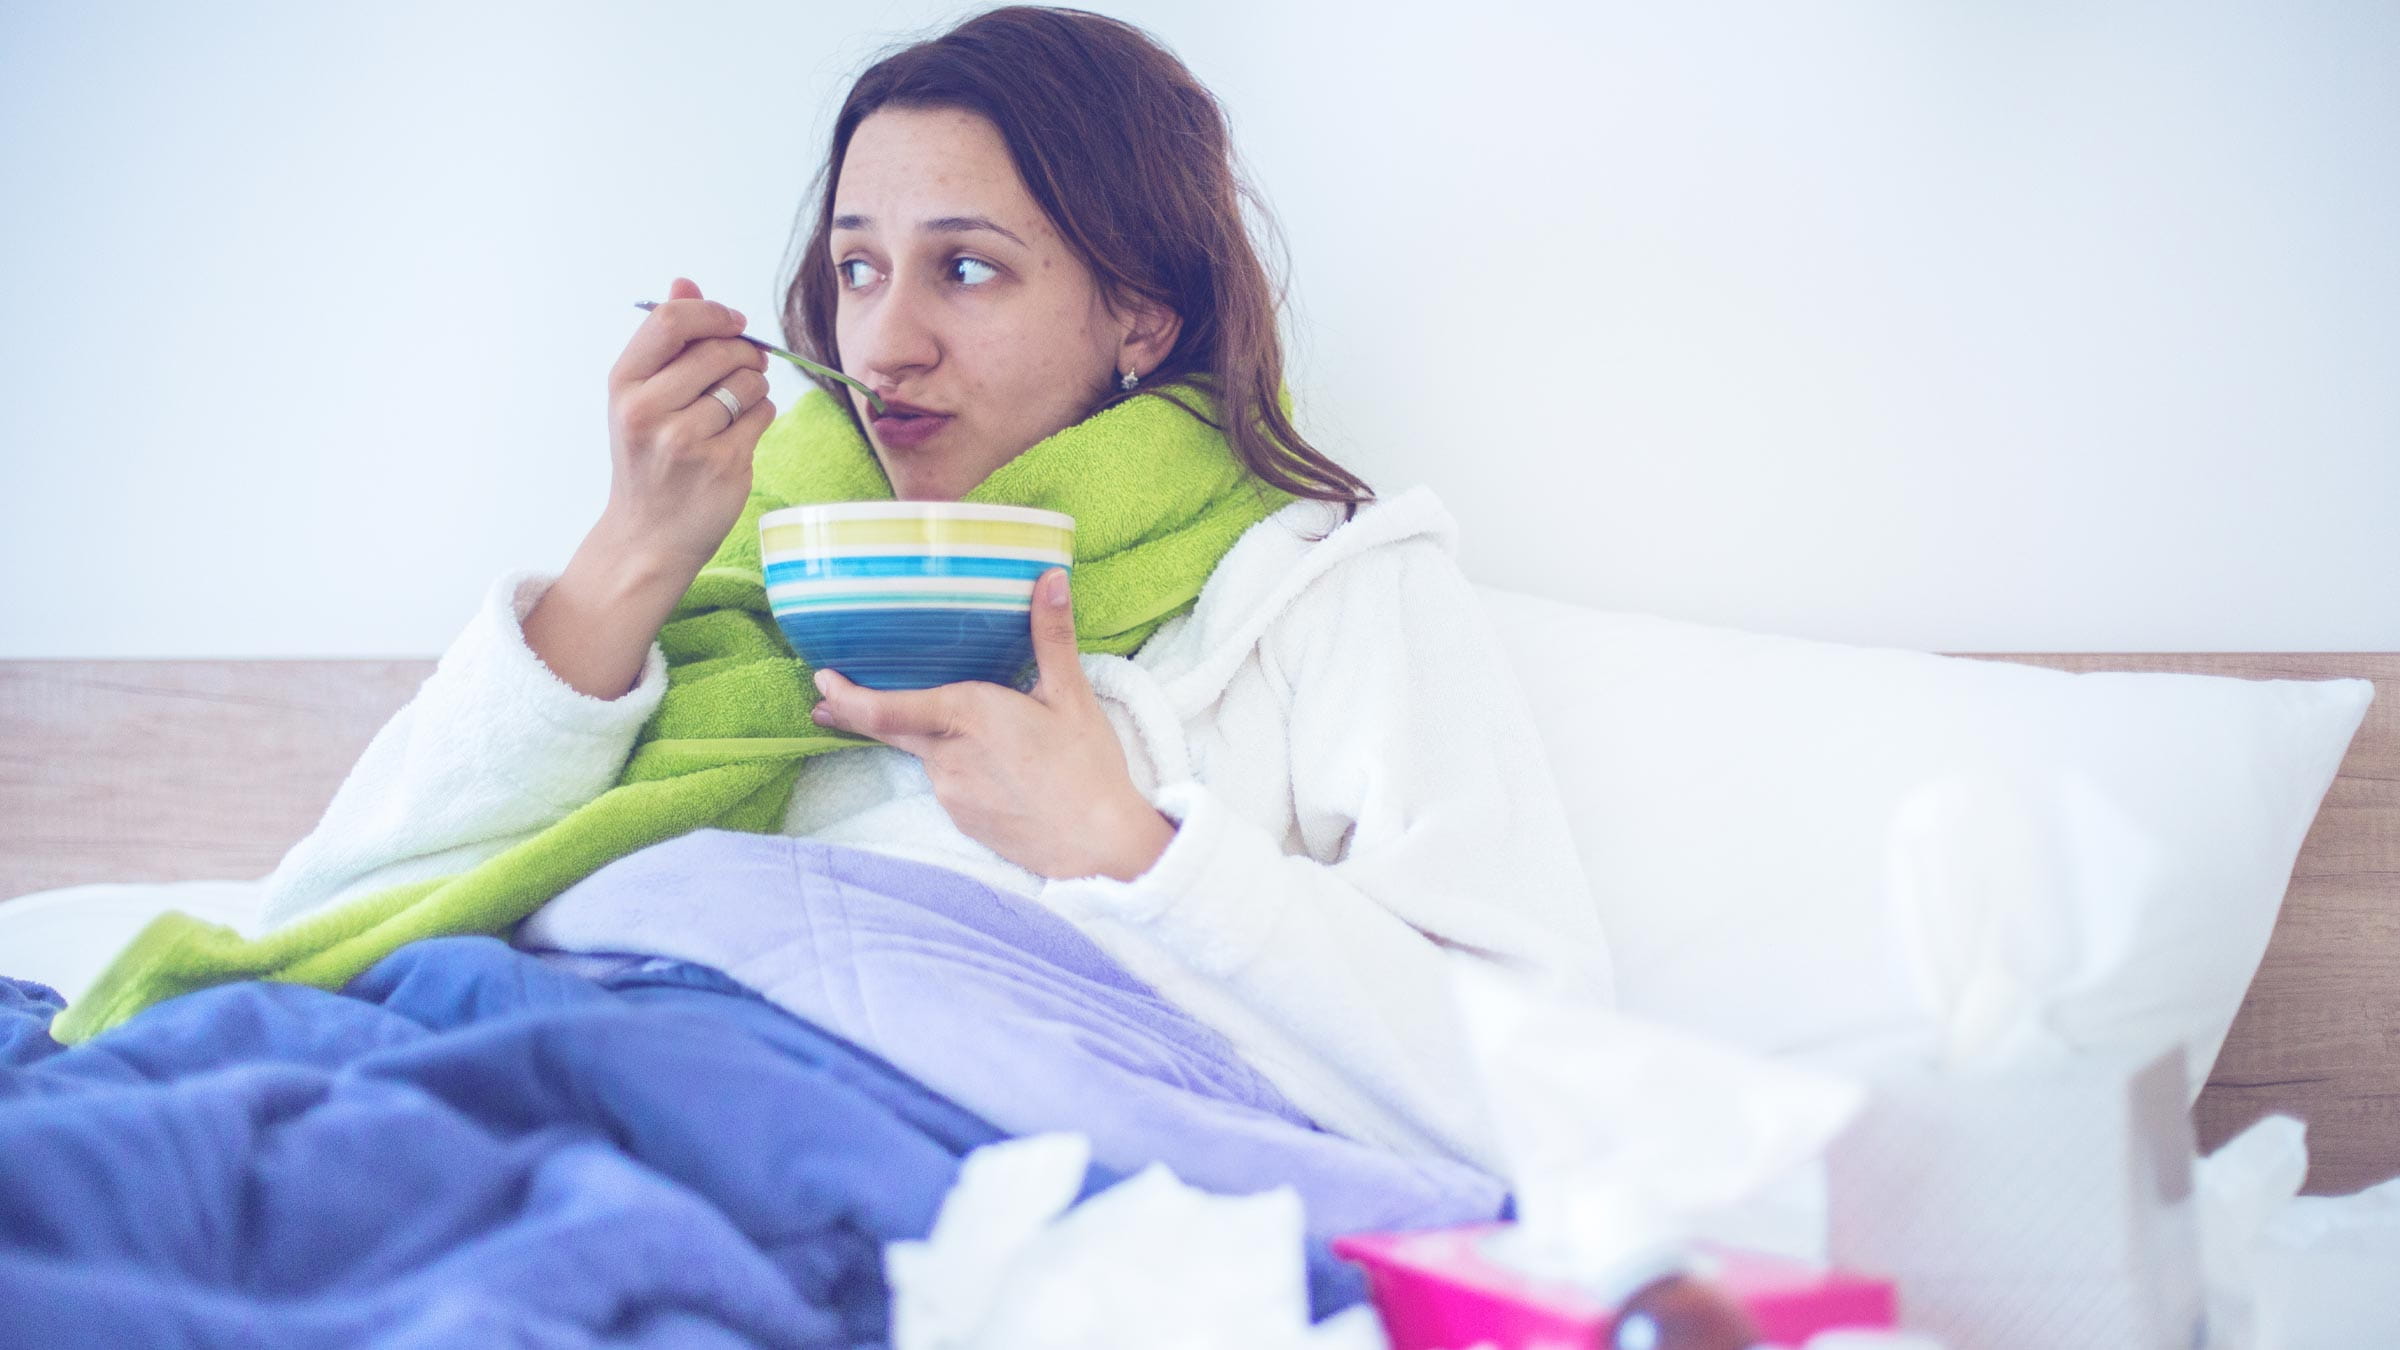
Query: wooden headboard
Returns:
{"type": "Point", "coordinates": [189, 770]}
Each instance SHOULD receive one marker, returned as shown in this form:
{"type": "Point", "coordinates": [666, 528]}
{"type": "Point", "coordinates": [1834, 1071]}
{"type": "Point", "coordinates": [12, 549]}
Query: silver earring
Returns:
{"type": "Point", "coordinates": [1129, 381]}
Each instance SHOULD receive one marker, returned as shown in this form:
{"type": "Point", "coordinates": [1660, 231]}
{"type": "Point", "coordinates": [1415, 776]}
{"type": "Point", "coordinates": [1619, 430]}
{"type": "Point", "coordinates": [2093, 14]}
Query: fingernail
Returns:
{"type": "Point", "coordinates": [820, 677]}
{"type": "Point", "coordinates": [1058, 592]}
{"type": "Point", "coordinates": [739, 321]}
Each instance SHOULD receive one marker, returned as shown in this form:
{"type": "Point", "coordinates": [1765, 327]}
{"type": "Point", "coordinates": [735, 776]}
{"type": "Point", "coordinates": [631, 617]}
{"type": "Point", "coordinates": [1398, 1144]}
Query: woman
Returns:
{"type": "Point", "coordinates": [1241, 850]}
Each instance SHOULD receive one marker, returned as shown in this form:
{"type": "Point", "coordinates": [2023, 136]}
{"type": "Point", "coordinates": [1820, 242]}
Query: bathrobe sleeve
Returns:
{"type": "Point", "coordinates": [1429, 831]}
{"type": "Point", "coordinates": [492, 749]}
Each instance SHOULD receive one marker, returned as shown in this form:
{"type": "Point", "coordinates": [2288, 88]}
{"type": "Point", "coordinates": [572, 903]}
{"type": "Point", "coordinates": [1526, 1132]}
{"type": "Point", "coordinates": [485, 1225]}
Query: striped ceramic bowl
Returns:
{"type": "Point", "coordinates": [908, 595]}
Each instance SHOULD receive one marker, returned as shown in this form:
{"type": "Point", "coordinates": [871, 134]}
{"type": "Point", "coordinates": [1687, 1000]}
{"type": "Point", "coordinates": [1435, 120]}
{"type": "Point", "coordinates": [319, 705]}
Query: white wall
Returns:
{"type": "Point", "coordinates": [1971, 328]}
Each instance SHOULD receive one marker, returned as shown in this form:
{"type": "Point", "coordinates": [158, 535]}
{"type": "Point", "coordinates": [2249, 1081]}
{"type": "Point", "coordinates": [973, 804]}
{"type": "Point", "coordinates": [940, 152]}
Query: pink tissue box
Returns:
{"type": "Point", "coordinates": [1436, 1290]}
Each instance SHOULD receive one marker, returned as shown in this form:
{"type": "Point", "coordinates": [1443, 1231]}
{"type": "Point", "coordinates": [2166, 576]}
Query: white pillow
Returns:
{"type": "Point", "coordinates": [1731, 795]}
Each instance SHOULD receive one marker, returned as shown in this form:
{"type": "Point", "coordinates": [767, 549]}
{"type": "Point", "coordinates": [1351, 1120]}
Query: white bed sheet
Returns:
{"type": "Point", "coordinates": [2324, 1264]}
{"type": "Point", "coordinates": [65, 938]}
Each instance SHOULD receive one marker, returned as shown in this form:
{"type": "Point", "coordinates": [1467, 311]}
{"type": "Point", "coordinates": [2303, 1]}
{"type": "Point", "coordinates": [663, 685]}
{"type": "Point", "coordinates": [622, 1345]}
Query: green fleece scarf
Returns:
{"type": "Point", "coordinates": [1157, 495]}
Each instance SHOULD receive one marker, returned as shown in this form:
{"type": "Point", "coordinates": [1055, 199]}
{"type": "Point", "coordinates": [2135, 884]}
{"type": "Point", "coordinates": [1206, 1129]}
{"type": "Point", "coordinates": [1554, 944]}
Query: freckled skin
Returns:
{"type": "Point", "coordinates": [1015, 345]}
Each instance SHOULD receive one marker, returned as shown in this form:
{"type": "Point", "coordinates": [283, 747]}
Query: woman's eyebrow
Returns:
{"type": "Point", "coordinates": [938, 225]}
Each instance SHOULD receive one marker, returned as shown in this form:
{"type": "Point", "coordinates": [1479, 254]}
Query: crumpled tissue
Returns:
{"type": "Point", "coordinates": [2244, 1186]}
{"type": "Point", "coordinates": [2325, 1271]}
{"type": "Point", "coordinates": [2008, 898]}
{"type": "Point", "coordinates": [2030, 1183]}
{"type": "Point", "coordinates": [1626, 1141]}
{"type": "Point", "coordinates": [1013, 1263]}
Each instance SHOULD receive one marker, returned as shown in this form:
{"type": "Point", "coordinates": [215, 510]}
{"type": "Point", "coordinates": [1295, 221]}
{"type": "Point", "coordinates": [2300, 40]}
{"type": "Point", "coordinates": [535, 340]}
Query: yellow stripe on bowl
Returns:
{"type": "Point", "coordinates": [914, 535]}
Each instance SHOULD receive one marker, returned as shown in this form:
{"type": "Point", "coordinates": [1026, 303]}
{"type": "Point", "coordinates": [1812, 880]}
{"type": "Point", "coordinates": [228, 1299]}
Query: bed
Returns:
{"type": "Point", "coordinates": [189, 770]}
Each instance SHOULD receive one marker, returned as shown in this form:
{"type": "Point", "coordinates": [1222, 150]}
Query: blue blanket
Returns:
{"type": "Point", "coordinates": [467, 1146]}
{"type": "Point", "coordinates": [999, 1005]}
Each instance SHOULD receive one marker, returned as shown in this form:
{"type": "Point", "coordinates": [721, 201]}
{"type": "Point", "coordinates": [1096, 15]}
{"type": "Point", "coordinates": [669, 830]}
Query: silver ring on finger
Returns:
{"type": "Point", "coordinates": [733, 404]}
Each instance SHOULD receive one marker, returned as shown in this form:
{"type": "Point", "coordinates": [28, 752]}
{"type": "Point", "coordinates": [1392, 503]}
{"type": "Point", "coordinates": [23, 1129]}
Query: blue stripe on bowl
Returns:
{"type": "Point", "coordinates": [905, 565]}
{"type": "Point", "coordinates": [914, 648]}
{"type": "Point", "coordinates": [864, 600]}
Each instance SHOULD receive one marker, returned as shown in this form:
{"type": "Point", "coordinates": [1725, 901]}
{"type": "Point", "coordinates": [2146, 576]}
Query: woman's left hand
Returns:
{"type": "Point", "coordinates": [1039, 778]}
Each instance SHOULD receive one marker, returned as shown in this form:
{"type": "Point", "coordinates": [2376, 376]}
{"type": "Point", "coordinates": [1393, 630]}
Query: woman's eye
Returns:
{"type": "Point", "coordinates": [850, 279]}
{"type": "Point", "coordinates": [975, 262]}
{"type": "Point", "coordinates": [843, 270]}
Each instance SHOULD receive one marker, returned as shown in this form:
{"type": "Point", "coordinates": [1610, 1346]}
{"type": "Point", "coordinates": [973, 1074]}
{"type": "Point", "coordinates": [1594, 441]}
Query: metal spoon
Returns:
{"type": "Point", "coordinates": [801, 361]}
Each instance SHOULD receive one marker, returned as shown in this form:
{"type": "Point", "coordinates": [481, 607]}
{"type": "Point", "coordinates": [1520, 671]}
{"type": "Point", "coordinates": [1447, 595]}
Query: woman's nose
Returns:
{"type": "Point", "coordinates": [893, 335]}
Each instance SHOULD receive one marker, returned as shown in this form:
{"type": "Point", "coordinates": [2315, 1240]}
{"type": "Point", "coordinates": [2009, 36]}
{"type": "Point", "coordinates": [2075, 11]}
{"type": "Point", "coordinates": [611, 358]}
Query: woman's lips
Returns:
{"type": "Point", "coordinates": [907, 433]}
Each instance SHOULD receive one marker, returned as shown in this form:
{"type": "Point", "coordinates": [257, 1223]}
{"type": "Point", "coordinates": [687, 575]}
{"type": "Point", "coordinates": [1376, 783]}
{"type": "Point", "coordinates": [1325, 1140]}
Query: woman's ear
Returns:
{"type": "Point", "coordinates": [1150, 332]}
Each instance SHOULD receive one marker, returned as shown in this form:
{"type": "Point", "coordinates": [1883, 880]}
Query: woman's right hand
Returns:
{"type": "Point", "coordinates": [680, 464]}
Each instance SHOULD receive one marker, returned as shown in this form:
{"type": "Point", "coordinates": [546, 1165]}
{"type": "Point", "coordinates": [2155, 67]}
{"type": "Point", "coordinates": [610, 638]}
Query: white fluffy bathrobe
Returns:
{"type": "Point", "coordinates": [1353, 771]}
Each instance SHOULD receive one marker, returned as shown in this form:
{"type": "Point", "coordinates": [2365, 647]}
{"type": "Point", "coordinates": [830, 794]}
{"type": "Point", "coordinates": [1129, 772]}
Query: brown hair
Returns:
{"type": "Point", "coordinates": [1132, 160]}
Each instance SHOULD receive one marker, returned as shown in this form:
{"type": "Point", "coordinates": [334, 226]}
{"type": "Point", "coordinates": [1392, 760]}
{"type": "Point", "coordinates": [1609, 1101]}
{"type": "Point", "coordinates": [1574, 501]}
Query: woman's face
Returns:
{"type": "Point", "coordinates": [956, 295]}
